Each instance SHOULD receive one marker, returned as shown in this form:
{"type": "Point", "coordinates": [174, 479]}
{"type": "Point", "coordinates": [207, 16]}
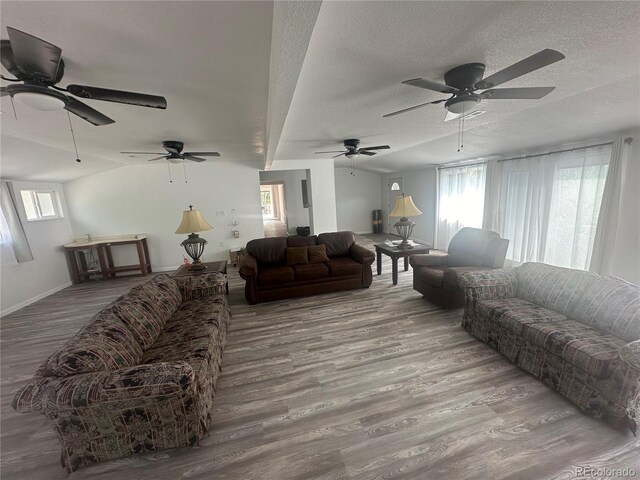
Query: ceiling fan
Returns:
{"type": "Point", "coordinates": [463, 81]}
{"type": "Point", "coordinates": [39, 66]}
{"type": "Point", "coordinates": [352, 151]}
{"type": "Point", "coordinates": [174, 153]}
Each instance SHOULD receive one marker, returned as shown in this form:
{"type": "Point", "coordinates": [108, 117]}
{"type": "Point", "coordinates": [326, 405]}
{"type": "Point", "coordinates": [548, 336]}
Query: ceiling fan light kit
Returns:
{"type": "Point", "coordinates": [40, 98]}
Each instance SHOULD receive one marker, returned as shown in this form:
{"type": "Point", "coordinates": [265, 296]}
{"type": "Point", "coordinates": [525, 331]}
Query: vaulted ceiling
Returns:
{"type": "Point", "coordinates": [264, 81]}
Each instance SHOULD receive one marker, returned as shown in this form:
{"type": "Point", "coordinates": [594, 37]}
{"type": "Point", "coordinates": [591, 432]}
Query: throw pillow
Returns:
{"type": "Point", "coordinates": [318, 254]}
{"type": "Point", "coordinates": [297, 256]}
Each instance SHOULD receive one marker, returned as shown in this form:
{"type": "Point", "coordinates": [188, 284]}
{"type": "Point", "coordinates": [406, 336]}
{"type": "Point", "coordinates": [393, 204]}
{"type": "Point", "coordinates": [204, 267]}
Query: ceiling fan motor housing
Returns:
{"type": "Point", "coordinates": [173, 145]}
{"type": "Point", "coordinates": [465, 76]}
{"type": "Point", "coordinates": [351, 144]}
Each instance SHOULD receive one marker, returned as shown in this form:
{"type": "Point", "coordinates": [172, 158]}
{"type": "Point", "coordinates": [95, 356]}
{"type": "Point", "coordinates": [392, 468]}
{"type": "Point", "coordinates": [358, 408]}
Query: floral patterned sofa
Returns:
{"type": "Point", "coordinates": [139, 376]}
{"type": "Point", "coordinates": [577, 331]}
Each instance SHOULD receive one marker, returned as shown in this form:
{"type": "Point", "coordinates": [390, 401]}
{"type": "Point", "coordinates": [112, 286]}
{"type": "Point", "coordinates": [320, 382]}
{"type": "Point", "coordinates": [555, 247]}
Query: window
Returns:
{"type": "Point", "coordinates": [41, 205]}
{"type": "Point", "coordinates": [550, 204]}
{"type": "Point", "coordinates": [460, 200]}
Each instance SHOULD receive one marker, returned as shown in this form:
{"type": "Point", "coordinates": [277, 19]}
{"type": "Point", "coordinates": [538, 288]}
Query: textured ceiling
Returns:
{"type": "Point", "coordinates": [361, 51]}
{"type": "Point", "coordinates": [209, 59]}
{"type": "Point", "coordinates": [256, 82]}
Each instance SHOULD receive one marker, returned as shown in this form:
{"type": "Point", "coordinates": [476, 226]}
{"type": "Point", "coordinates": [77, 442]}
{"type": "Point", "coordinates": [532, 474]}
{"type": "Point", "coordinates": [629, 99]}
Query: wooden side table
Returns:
{"type": "Point", "coordinates": [395, 253]}
{"type": "Point", "coordinates": [212, 267]}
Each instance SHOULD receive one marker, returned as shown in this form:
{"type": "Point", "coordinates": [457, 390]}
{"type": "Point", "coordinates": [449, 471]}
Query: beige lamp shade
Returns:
{"type": "Point", "coordinates": [193, 221]}
{"type": "Point", "coordinates": [405, 208]}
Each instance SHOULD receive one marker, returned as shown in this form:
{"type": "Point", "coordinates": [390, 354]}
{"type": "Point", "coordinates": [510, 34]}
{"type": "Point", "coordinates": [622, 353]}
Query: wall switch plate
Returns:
{"type": "Point", "coordinates": [236, 234]}
{"type": "Point", "coordinates": [222, 244]}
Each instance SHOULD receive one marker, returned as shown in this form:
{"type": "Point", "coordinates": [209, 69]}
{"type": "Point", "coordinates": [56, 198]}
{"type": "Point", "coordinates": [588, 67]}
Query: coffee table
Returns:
{"type": "Point", "coordinates": [220, 267]}
{"type": "Point", "coordinates": [395, 253]}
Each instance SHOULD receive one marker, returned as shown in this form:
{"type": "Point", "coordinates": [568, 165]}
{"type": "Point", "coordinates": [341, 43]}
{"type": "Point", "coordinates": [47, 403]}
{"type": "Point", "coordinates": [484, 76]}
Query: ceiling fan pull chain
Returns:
{"type": "Point", "coordinates": [13, 105]}
{"type": "Point", "coordinates": [462, 130]}
{"type": "Point", "coordinates": [184, 169]}
{"type": "Point", "coordinates": [169, 168]}
{"type": "Point", "coordinates": [73, 136]}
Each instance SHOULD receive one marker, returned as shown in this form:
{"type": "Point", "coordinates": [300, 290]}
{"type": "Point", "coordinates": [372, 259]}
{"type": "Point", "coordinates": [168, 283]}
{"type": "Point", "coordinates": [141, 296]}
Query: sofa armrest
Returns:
{"type": "Point", "coordinates": [428, 260]}
{"type": "Point", "coordinates": [362, 255]}
{"type": "Point", "coordinates": [248, 267]}
{"type": "Point", "coordinates": [203, 285]}
{"type": "Point", "coordinates": [489, 284]}
{"type": "Point", "coordinates": [135, 385]}
{"type": "Point", "coordinates": [627, 377]}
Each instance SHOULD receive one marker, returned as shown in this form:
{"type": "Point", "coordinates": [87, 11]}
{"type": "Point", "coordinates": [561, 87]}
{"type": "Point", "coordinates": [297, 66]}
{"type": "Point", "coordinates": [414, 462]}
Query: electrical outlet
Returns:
{"type": "Point", "coordinates": [236, 234]}
{"type": "Point", "coordinates": [222, 244]}
{"type": "Point", "coordinates": [221, 214]}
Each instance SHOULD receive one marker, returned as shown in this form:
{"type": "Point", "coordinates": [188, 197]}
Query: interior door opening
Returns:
{"type": "Point", "coordinates": [274, 210]}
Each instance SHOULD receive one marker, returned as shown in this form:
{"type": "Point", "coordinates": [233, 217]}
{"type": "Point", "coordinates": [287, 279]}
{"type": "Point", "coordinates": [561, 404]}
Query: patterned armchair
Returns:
{"type": "Point", "coordinates": [471, 249]}
{"type": "Point", "coordinates": [577, 331]}
{"type": "Point", "coordinates": [139, 376]}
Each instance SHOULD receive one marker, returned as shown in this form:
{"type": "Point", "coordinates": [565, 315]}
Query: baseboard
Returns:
{"type": "Point", "coordinates": [34, 299]}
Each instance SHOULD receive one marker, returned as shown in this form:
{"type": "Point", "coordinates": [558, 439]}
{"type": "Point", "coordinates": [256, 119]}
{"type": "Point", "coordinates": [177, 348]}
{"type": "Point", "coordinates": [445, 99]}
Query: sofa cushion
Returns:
{"type": "Point", "coordinates": [577, 343]}
{"type": "Point", "coordinates": [300, 241]}
{"type": "Point", "coordinates": [514, 314]}
{"type": "Point", "coordinates": [297, 256]}
{"type": "Point", "coordinates": [275, 275]}
{"type": "Point", "coordinates": [432, 276]}
{"type": "Point", "coordinates": [337, 243]}
{"type": "Point", "coordinates": [559, 289]}
{"type": "Point", "coordinates": [344, 266]}
{"type": "Point", "coordinates": [105, 343]}
{"type": "Point", "coordinates": [611, 305]}
{"type": "Point", "coordinates": [312, 271]}
{"type": "Point", "coordinates": [268, 250]}
{"type": "Point", "coordinates": [317, 253]}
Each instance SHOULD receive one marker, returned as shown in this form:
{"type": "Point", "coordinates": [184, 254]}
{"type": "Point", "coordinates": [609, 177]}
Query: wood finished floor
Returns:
{"type": "Point", "coordinates": [366, 384]}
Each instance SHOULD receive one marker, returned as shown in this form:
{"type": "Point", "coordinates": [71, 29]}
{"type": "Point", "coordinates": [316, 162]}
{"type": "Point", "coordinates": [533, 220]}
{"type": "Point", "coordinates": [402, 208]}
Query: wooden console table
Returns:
{"type": "Point", "coordinates": [108, 269]}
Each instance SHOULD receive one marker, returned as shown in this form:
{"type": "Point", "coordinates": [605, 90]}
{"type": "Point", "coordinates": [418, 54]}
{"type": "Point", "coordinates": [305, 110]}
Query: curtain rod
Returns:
{"type": "Point", "coordinates": [460, 165]}
{"type": "Point", "coordinates": [557, 151]}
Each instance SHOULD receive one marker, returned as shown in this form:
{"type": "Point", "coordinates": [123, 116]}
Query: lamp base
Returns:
{"type": "Point", "coordinates": [196, 266]}
{"type": "Point", "coordinates": [404, 228]}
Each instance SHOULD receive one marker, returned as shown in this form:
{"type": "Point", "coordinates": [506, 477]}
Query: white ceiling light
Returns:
{"type": "Point", "coordinates": [40, 98]}
{"type": "Point", "coordinates": [39, 101]}
{"type": "Point", "coordinates": [463, 104]}
{"type": "Point", "coordinates": [351, 155]}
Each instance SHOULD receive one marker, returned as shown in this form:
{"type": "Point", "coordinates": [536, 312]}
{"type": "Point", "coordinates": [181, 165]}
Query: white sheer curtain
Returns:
{"type": "Point", "coordinates": [460, 201]}
{"type": "Point", "coordinates": [548, 206]}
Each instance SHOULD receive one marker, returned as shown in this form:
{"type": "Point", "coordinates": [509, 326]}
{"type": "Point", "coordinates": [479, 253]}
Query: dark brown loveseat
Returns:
{"type": "Point", "coordinates": [273, 272]}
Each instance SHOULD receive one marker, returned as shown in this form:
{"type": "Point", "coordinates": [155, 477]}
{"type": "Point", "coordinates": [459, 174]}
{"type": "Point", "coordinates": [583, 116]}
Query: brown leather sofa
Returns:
{"type": "Point", "coordinates": [471, 249]}
{"type": "Point", "coordinates": [271, 273]}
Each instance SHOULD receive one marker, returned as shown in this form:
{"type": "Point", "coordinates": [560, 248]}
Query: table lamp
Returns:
{"type": "Point", "coordinates": [192, 222]}
{"type": "Point", "coordinates": [405, 208]}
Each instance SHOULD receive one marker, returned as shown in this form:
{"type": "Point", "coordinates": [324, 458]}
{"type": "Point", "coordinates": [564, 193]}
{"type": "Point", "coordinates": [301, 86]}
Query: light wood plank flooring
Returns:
{"type": "Point", "coordinates": [365, 384]}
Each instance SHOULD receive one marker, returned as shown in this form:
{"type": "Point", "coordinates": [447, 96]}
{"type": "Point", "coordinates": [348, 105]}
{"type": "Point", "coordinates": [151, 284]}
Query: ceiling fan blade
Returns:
{"type": "Point", "coordinates": [451, 116]}
{"type": "Point", "coordinates": [378, 147]}
{"type": "Point", "coordinates": [332, 151]}
{"type": "Point", "coordinates": [87, 113]}
{"type": "Point", "coordinates": [8, 60]}
{"type": "Point", "coordinates": [34, 57]}
{"type": "Point", "coordinates": [203, 154]}
{"type": "Point", "coordinates": [364, 152]}
{"type": "Point", "coordinates": [533, 93]}
{"type": "Point", "coordinates": [3, 92]}
{"type": "Point", "coordinates": [529, 64]}
{"type": "Point", "coordinates": [188, 156]}
{"type": "Point", "coordinates": [404, 110]}
{"type": "Point", "coordinates": [163, 157]}
{"type": "Point", "coordinates": [340, 154]}
{"type": "Point", "coordinates": [429, 85]}
{"type": "Point", "coordinates": [118, 96]}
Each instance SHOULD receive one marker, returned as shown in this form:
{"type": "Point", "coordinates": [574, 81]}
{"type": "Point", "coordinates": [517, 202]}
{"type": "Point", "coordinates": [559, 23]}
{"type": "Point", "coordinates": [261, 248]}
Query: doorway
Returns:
{"type": "Point", "coordinates": [274, 209]}
{"type": "Point", "coordinates": [394, 190]}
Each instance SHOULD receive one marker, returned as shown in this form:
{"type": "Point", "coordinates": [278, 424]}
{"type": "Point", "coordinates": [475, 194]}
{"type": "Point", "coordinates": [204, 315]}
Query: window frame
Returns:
{"type": "Point", "coordinates": [33, 195]}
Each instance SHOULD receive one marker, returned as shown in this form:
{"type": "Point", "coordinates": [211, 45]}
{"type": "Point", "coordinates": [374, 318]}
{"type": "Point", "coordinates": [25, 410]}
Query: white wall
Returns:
{"type": "Point", "coordinates": [24, 283]}
{"type": "Point", "coordinates": [322, 191]}
{"type": "Point", "coordinates": [297, 215]}
{"type": "Point", "coordinates": [421, 185]}
{"type": "Point", "coordinates": [140, 199]}
{"type": "Point", "coordinates": [357, 196]}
